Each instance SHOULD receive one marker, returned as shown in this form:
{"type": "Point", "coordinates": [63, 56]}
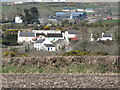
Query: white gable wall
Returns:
{"type": "Point", "coordinates": [104, 38]}
{"type": "Point", "coordinates": [25, 39]}
{"type": "Point", "coordinates": [49, 48]}
{"type": "Point", "coordinates": [18, 19]}
{"type": "Point", "coordinates": [40, 46]}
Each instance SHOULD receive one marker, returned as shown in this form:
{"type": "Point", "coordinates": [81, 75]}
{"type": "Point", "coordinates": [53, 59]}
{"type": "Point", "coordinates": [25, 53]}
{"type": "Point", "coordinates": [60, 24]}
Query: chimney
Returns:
{"type": "Point", "coordinates": [102, 34]}
{"type": "Point", "coordinates": [92, 39]}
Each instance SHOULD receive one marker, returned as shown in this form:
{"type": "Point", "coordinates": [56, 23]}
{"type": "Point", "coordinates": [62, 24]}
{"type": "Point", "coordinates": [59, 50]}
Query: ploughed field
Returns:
{"type": "Point", "coordinates": [59, 81]}
{"type": "Point", "coordinates": [60, 72]}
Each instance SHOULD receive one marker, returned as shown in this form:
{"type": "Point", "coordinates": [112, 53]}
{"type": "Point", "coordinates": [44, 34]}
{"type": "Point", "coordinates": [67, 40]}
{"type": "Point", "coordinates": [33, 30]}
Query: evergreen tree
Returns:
{"type": "Point", "coordinates": [31, 15]}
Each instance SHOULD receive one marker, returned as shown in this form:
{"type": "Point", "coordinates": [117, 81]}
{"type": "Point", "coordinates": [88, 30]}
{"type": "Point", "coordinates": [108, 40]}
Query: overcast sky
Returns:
{"type": "Point", "coordinates": [69, 0]}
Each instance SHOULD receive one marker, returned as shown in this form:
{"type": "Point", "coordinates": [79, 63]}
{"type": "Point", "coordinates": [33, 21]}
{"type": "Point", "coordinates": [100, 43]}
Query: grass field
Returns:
{"type": "Point", "coordinates": [68, 69]}
{"type": "Point", "coordinates": [49, 8]}
{"type": "Point", "coordinates": [110, 21]}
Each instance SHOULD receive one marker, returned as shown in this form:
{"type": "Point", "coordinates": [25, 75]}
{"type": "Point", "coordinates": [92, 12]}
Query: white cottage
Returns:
{"type": "Point", "coordinates": [43, 44]}
{"type": "Point", "coordinates": [80, 10]}
{"type": "Point", "coordinates": [105, 36]}
{"type": "Point", "coordinates": [49, 47]}
{"type": "Point", "coordinates": [18, 19]}
{"type": "Point", "coordinates": [25, 36]}
{"type": "Point", "coordinates": [61, 43]}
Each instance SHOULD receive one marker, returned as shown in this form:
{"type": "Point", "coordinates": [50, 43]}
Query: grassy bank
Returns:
{"type": "Point", "coordinates": [68, 69]}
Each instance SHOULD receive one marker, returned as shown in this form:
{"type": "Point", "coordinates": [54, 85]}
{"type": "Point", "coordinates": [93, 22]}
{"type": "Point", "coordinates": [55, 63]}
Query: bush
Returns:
{"type": "Point", "coordinates": [9, 39]}
{"type": "Point", "coordinates": [46, 27]}
{"type": "Point", "coordinates": [76, 53]}
{"type": "Point", "coordinates": [12, 53]}
{"type": "Point", "coordinates": [23, 55]}
{"type": "Point", "coordinates": [6, 53]}
{"type": "Point", "coordinates": [102, 53]}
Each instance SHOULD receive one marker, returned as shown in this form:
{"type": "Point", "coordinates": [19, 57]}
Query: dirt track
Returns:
{"type": "Point", "coordinates": [59, 81]}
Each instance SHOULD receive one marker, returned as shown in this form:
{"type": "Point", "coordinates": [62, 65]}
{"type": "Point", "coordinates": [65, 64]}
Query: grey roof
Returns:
{"type": "Point", "coordinates": [73, 32]}
{"type": "Point", "coordinates": [59, 40]}
{"type": "Point", "coordinates": [107, 35]}
{"type": "Point", "coordinates": [27, 34]}
{"type": "Point", "coordinates": [40, 41]}
{"type": "Point", "coordinates": [68, 14]}
{"type": "Point", "coordinates": [49, 45]}
{"type": "Point", "coordinates": [68, 8]}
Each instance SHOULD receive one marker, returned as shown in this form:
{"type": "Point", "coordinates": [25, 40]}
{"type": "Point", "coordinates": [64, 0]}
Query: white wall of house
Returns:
{"type": "Point", "coordinates": [105, 38]}
{"type": "Point", "coordinates": [91, 37]}
{"type": "Point", "coordinates": [80, 10]}
{"type": "Point", "coordinates": [69, 35]}
{"type": "Point", "coordinates": [40, 46]}
{"type": "Point", "coordinates": [89, 11]}
{"type": "Point", "coordinates": [18, 19]}
{"type": "Point", "coordinates": [25, 39]}
{"type": "Point", "coordinates": [59, 0]}
{"type": "Point", "coordinates": [54, 39]}
{"type": "Point", "coordinates": [102, 38]}
{"type": "Point", "coordinates": [47, 31]}
{"type": "Point", "coordinates": [49, 48]}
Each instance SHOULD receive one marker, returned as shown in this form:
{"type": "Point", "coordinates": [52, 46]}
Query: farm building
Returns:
{"type": "Point", "coordinates": [80, 10]}
{"type": "Point", "coordinates": [105, 36]}
{"type": "Point", "coordinates": [51, 35]}
{"type": "Point", "coordinates": [71, 15]}
{"type": "Point", "coordinates": [61, 43]}
{"type": "Point", "coordinates": [25, 36]}
{"type": "Point", "coordinates": [89, 10]}
{"type": "Point", "coordinates": [68, 9]}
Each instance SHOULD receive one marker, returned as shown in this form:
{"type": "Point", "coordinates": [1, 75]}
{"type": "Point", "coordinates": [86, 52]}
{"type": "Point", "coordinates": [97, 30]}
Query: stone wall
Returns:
{"type": "Point", "coordinates": [106, 61]}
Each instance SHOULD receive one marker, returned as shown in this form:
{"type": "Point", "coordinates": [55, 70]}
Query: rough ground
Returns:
{"type": "Point", "coordinates": [60, 80]}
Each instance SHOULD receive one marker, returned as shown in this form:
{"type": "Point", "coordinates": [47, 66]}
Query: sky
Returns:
{"type": "Point", "coordinates": [68, 0]}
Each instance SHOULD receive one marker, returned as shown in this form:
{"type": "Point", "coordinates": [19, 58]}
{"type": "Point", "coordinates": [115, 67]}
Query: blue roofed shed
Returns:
{"type": "Point", "coordinates": [80, 15]}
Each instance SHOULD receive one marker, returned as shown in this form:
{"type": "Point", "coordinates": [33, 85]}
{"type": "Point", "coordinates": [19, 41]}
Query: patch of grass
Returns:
{"type": "Point", "coordinates": [102, 69]}
{"type": "Point", "coordinates": [109, 21]}
{"type": "Point", "coordinates": [71, 68]}
{"type": "Point", "coordinates": [9, 69]}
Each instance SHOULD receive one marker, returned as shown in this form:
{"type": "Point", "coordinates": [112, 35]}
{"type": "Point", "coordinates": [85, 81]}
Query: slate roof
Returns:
{"type": "Point", "coordinates": [89, 9]}
{"type": "Point", "coordinates": [107, 35]}
{"type": "Point", "coordinates": [49, 45]}
{"type": "Point", "coordinates": [27, 34]}
{"type": "Point", "coordinates": [37, 34]}
{"type": "Point", "coordinates": [68, 8]}
{"type": "Point", "coordinates": [73, 32]}
{"type": "Point", "coordinates": [68, 14]}
{"type": "Point", "coordinates": [54, 35]}
{"type": "Point", "coordinates": [40, 41]}
{"type": "Point", "coordinates": [59, 40]}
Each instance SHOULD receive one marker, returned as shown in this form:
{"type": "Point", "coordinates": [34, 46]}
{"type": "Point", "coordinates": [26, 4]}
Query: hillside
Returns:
{"type": "Point", "coordinates": [49, 8]}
